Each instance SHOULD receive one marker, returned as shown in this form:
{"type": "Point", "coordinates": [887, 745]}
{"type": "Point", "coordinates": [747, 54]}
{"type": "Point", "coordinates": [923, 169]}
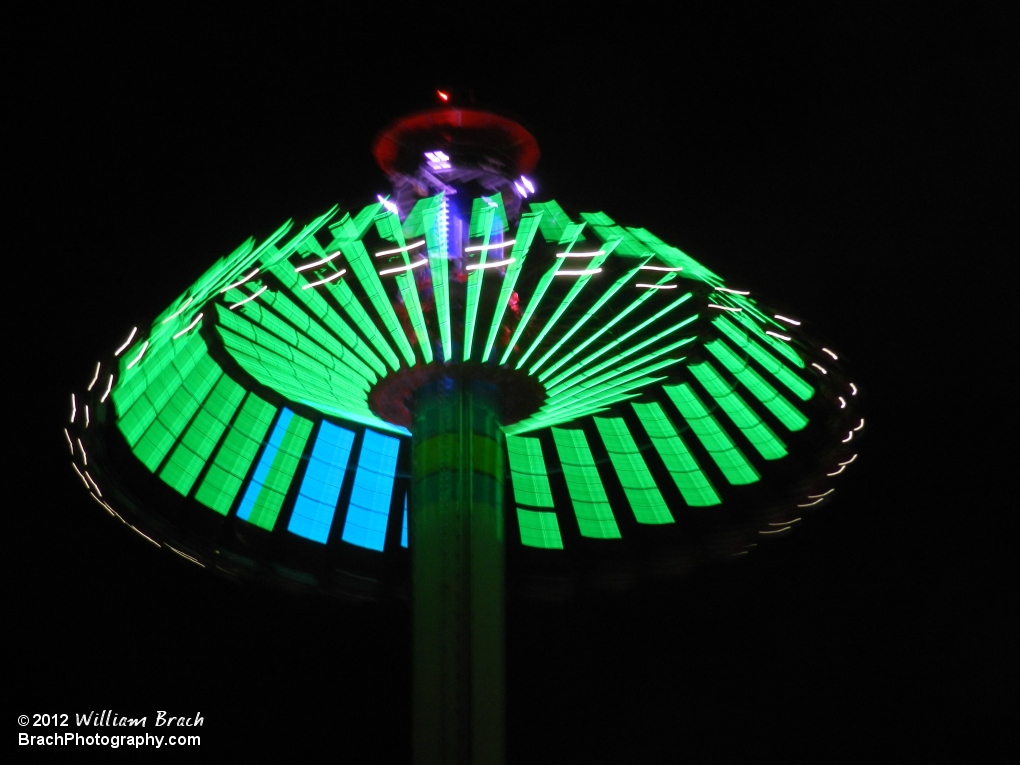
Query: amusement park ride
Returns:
{"type": "Point", "coordinates": [457, 392]}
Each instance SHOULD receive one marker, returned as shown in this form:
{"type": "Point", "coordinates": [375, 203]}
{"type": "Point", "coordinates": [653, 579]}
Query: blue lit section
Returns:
{"type": "Point", "coordinates": [373, 488]}
{"type": "Point", "coordinates": [251, 494]}
{"type": "Point", "coordinates": [316, 502]}
{"type": "Point", "coordinates": [403, 533]}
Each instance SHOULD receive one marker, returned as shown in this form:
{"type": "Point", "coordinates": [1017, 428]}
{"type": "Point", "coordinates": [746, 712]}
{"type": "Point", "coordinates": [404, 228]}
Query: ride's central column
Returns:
{"type": "Point", "coordinates": [457, 562]}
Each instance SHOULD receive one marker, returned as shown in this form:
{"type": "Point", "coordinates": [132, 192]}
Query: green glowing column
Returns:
{"type": "Point", "coordinates": [456, 528]}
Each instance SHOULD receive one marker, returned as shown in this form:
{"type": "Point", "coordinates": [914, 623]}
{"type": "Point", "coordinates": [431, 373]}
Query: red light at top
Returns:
{"type": "Point", "coordinates": [443, 96]}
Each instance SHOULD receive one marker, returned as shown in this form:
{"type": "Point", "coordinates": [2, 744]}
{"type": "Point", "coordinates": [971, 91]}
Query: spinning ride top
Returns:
{"type": "Point", "coordinates": [457, 380]}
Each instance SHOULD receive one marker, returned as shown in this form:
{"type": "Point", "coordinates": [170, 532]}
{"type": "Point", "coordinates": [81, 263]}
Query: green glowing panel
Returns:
{"type": "Point", "coordinates": [152, 385]}
{"type": "Point", "coordinates": [620, 316]}
{"type": "Point", "coordinates": [482, 216]}
{"type": "Point", "coordinates": [174, 417]}
{"type": "Point", "coordinates": [319, 308]}
{"type": "Point", "coordinates": [537, 293]}
{"type": "Point", "coordinates": [190, 455]}
{"type": "Point", "coordinates": [750, 424]}
{"type": "Point", "coordinates": [645, 499]}
{"type": "Point", "coordinates": [235, 455]}
{"type": "Point", "coordinates": [324, 349]}
{"type": "Point", "coordinates": [776, 344]}
{"type": "Point", "coordinates": [776, 403]}
{"type": "Point", "coordinates": [539, 529]}
{"type": "Point", "coordinates": [597, 219]}
{"type": "Point", "coordinates": [527, 468]}
{"type": "Point", "coordinates": [720, 446]}
{"type": "Point", "coordinates": [359, 260]}
{"type": "Point", "coordinates": [674, 258]}
{"type": "Point", "coordinates": [526, 230]}
{"type": "Point", "coordinates": [588, 314]}
{"type": "Point", "coordinates": [591, 505]}
{"type": "Point", "coordinates": [281, 471]}
{"type": "Point", "coordinates": [629, 245]}
{"type": "Point", "coordinates": [694, 485]}
{"type": "Point", "coordinates": [575, 290]}
{"type": "Point", "coordinates": [436, 221]}
{"type": "Point", "coordinates": [555, 224]}
{"type": "Point", "coordinates": [481, 220]}
{"type": "Point", "coordinates": [416, 223]}
{"type": "Point", "coordinates": [390, 224]}
{"type": "Point", "coordinates": [341, 292]}
{"type": "Point", "coordinates": [779, 370]}
{"type": "Point", "coordinates": [564, 379]}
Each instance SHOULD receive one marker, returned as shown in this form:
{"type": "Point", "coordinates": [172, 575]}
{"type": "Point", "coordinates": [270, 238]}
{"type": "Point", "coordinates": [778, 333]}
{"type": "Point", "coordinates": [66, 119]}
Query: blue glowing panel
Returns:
{"type": "Point", "coordinates": [373, 488]}
{"type": "Point", "coordinates": [403, 534]}
{"type": "Point", "coordinates": [251, 494]}
{"type": "Point", "coordinates": [316, 502]}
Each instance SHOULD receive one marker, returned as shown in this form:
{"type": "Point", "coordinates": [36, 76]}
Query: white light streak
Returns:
{"type": "Point", "coordinates": [661, 268]}
{"type": "Point", "coordinates": [239, 283]}
{"type": "Point", "coordinates": [76, 470]}
{"type": "Point", "coordinates": [853, 389]}
{"type": "Point", "coordinates": [776, 334]}
{"type": "Point", "coordinates": [316, 263]}
{"type": "Point", "coordinates": [861, 425]}
{"type": "Point", "coordinates": [849, 435]}
{"type": "Point", "coordinates": [848, 461]}
{"type": "Point", "coordinates": [407, 247]}
{"type": "Point", "coordinates": [74, 408]}
{"type": "Point", "coordinates": [189, 327]}
{"type": "Point", "coordinates": [491, 264]}
{"type": "Point", "coordinates": [126, 342]}
{"type": "Point", "coordinates": [487, 247]}
{"type": "Point", "coordinates": [84, 457]}
{"type": "Point", "coordinates": [94, 484]}
{"type": "Point", "coordinates": [179, 311]}
{"type": "Point", "coordinates": [735, 292]}
{"type": "Point", "coordinates": [109, 387]}
{"type": "Point", "coordinates": [742, 552]}
{"type": "Point", "coordinates": [103, 504]}
{"type": "Point", "coordinates": [399, 269]}
{"type": "Point", "coordinates": [841, 469]}
{"type": "Point", "coordinates": [329, 278]}
{"type": "Point", "coordinates": [585, 272]}
{"type": "Point", "coordinates": [580, 254]}
{"type": "Point", "coordinates": [185, 555]}
{"type": "Point", "coordinates": [787, 320]}
{"type": "Point", "coordinates": [388, 204]}
{"type": "Point", "coordinates": [520, 189]}
{"type": "Point", "coordinates": [140, 354]}
{"type": "Point", "coordinates": [819, 368]}
{"type": "Point", "coordinates": [810, 504]}
{"type": "Point", "coordinates": [144, 535]}
{"type": "Point", "coordinates": [724, 307]}
{"type": "Point", "coordinates": [823, 494]}
{"type": "Point", "coordinates": [834, 356]}
{"type": "Point", "coordinates": [86, 415]}
{"type": "Point", "coordinates": [249, 298]}
{"type": "Point", "coordinates": [785, 523]}
{"type": "Point", "coordinates": [94, 377]}
{"type": "Point", "coordinates": [656, 286]}
{"type": "Point", "coordinates": [530, 186]}
{"type": "Point", "coordinates": [842, 402]}
{"type": "Point", "coordinates": [70, 443]}
{"type": "Point", "coordinates": [776, 531]}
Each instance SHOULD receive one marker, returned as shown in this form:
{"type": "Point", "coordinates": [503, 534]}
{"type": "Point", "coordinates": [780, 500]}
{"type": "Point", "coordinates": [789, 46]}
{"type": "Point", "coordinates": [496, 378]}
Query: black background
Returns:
{"type": "Point", "coordinates": [850, 166]}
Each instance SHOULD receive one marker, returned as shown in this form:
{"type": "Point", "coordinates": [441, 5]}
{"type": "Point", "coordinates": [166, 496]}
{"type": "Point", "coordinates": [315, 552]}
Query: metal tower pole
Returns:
{"type": "Point", "coordinates": [457, 561]}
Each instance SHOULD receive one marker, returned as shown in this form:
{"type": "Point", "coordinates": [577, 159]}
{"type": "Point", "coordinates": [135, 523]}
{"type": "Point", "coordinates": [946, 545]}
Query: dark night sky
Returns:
{"type": "Point", "coordinates": [850, 167]}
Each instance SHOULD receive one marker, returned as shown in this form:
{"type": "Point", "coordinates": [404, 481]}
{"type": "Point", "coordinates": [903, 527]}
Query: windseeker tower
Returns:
{"type": "Point", "coordinates": [458, 387]}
